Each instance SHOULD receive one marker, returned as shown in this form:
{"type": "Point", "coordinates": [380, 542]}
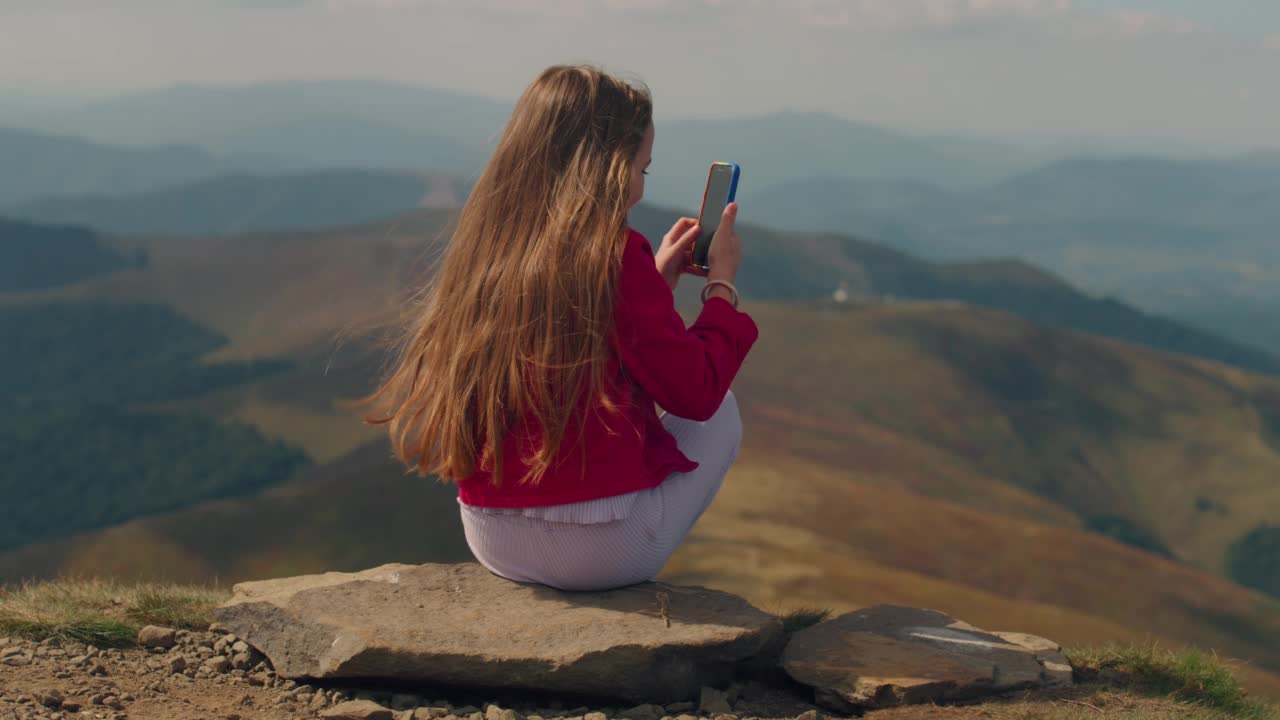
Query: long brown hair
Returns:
{"type": "Point", "coordinates": [517, 316]}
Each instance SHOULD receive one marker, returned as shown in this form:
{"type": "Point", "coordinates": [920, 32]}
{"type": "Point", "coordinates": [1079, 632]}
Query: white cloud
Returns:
{"type": "Point", "coordinates": [909, 14]}
{"type": "Point", "coordinates": [550, 8]}
{"type": "Point", "coordinates": [1139, 23]}
{"type": "Point", "coordinates": [885, 14]}
{"type": "Point", "coordinates": [851, 15]}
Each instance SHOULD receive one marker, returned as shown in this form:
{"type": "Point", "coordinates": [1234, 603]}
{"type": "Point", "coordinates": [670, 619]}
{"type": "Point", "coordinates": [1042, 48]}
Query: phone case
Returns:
{"type": "Point", "coordinates": [690, 267]}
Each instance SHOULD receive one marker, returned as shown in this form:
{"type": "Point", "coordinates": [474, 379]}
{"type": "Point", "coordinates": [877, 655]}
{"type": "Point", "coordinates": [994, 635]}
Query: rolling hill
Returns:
{"type": "Point", "coordinates": [1181, 450]}
{"type": "Point", "coordinates": [792, 265]}
{"type": "Point", "coordinates": [781, 265]}
{"type": "Point", "coordinates": [33, 256]}
{"type": "Point", "coordinates": [378, 117]}
{"type": "Point", "coordinates": [196, 114]}
{"type": "Point", "coordinates": [820, 144]}
{"type": "Point", "coordinates": [1235, 194]}
{"type": "Point", "coordinates": [252, 203]}
{"type": "Point", "coordinates": [340, 515]}
{"type": "Point", "coordinates": [1035, 408]}
{"type": "Point", "coordinates": [76, 452]}
{"type": "Point", "coordinates": [1091, 487]}
{"type": "Point", "coordinates": [38, 163]}
{"type": "Point", "coordinates": [1193, 239]}
{"type": "Point", "coordinates": [892, 427]}
{"type": "Point", "coordinates": [339, 140]}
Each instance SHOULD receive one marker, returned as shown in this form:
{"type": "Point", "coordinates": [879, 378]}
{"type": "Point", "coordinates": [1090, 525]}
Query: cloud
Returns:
{"type": "Point", "coordinates": [1140, 23]}
{"type": "Point", "coordinates": [853, 15]}
{"type": "Point", "coordinates": [267, 4]}
{"type": "Point", "coordinates": [549, 8]}
{"type": "Point", "coordinates": [1272, 42]}
{"type": "Point", "coordinates": [879, 13]}
{"type": "Point", "coordinates": [911, 14]}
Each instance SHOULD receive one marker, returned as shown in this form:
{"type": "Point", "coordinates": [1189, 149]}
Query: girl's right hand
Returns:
{"type": "Point", "coordinates": [725, 254]}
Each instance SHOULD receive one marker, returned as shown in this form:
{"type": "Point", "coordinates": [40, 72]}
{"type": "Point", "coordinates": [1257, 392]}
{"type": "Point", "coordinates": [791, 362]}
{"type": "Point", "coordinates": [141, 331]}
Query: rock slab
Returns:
{"type": "Point", "coordinates": [460, 625]}
{"type": "Point", "coordinates": [891, 655]}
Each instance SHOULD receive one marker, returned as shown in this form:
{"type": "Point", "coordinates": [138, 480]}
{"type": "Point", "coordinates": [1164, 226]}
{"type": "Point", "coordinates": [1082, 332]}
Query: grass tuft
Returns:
{"type": "Point", "coordinates": [797, 620]}
{"type": "Point", "coordinates": [105, 613]}
{"type": "Point", "coordinates": [1187, 674]}
{"type": "Point", "coordinates": [174, 606]}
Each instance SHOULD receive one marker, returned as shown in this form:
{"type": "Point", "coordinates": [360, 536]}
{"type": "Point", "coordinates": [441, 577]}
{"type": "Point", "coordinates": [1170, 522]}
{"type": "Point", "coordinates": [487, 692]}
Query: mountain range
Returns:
{"type": "Point", "coordinates": [1189, 238]}
{"type": "Point", "coordinates": [932, 416]}
{"type": "Point", "coordinates": [311, 124]}
{"type": "Point", "coordinates": [1187, 233]}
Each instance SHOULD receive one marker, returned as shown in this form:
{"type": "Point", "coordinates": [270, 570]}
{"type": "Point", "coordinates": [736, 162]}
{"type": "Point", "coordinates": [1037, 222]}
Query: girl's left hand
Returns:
{"type": "Point", "coordinates": [673, 252]}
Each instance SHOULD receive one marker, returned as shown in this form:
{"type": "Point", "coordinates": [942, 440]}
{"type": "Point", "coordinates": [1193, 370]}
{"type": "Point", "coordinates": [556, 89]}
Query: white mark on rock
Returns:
{"type": "Point", "coordinates": [946, 635]}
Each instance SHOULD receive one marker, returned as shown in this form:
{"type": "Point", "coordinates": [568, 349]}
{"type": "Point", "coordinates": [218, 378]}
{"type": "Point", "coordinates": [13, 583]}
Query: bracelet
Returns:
{"type": "Point", "coordinates": [733, 291]}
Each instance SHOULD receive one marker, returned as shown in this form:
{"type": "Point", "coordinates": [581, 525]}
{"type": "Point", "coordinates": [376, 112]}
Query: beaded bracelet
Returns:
{"type": "Point", "coordinates": [733, 291]}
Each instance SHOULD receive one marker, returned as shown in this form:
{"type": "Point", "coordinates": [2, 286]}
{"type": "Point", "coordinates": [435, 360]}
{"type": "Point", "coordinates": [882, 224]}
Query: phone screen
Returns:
{"type": "Point", "coordinates": [719, 182]}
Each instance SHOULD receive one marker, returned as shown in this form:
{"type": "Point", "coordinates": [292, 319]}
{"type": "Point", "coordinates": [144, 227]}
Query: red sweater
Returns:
{"type": "Point", "coordinates": [654, 359]}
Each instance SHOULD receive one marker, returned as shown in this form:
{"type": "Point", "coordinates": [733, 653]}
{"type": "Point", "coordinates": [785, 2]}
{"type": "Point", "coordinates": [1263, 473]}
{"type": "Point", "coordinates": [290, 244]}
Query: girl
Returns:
{"type": "Point", "coordinates": [546, 336]}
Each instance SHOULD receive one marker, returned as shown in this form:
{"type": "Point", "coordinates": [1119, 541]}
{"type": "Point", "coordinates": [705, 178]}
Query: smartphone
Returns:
{"type": "Point", "coordinates": [722, 188]}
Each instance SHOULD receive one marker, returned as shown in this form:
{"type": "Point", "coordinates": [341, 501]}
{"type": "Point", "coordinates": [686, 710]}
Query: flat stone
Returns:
{"type": "Point", "coordinates": [714, 702]}
{"type": "Point", "coordinates": [892, 655]}
{"type": "Point", "coordinates": [404, 701]}
{"type": "Point", "coordinates": [643, 712]}
{"type": "Point", "coordinates": [358, 710]}
{"type": "Point", "coordinates": [460, 625]}
{"type": "Point", "coordinates": [493, 712]}
{"type": "Point", "coordinates": [1057, 669]}
{"type": "Point", "coordinates": [1034, 643]}
{"type": "Point", "coordinates": [242, 661]}
{"type": "Point", "coordinates": [156, 636]}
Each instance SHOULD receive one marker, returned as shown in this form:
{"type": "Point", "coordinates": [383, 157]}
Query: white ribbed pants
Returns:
{"type": "Point", "coordinates": [600, 556]}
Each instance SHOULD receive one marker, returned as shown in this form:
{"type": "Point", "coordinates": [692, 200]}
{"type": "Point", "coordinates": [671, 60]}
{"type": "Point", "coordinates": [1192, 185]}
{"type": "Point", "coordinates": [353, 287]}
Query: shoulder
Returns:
{"type": "Point", "coordinates": [637, 243]}
{"type": "Point", "coordinates": [639, 277]}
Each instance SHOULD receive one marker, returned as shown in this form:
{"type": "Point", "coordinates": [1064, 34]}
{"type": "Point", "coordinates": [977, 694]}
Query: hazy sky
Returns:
{"type": "Point", "coordinates": [1197, 70]}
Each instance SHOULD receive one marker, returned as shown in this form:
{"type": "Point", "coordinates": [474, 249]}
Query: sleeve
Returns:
{"type": "Point", "coordinates": [686, 371]}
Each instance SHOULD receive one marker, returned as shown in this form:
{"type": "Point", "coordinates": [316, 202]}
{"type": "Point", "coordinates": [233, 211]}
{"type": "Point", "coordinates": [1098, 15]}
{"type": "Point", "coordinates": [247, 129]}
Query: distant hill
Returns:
{"type": "Point", "coordinates": [1234, 195]}
{"type": "Point", "coordinates": [345, 141]}
{"type": "Point", "coordinates": [1188, 238]}
{"type": "Point", "coordinates": [252, 203]}
{"type": "Point", "coordinates": [780, 265]}
{"type": "Point", "coordinates": [295, 292]}
{"type": "Point", "coordinates": [40, 163]}
{"type": "Point", "coordinates": [791, 146]}
{"type": "Point", "coordinates": [35, 256]}
{"type": "Point", "coordinates": [71, 382]}
{"type": "Point", "coordinates": [383, 122]}
{"type": "Point", "coordinates": [336, 517]}
{"type": "Point", "coordinates": [187, 113]}
{"type": "Point", "coordinates": [797, 265]}
{"type": "Point", "coordinates": [1137, 443]}
{"type": "Point", "coordinates": [1237, 194]}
